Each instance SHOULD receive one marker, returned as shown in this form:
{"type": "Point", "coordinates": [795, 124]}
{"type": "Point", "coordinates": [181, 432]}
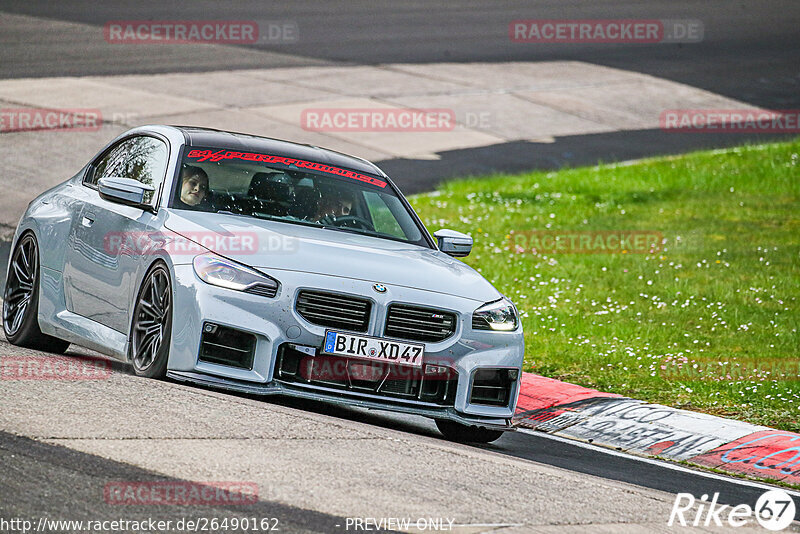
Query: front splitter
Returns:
{"type": "Point", "coordinates": [348, 399]}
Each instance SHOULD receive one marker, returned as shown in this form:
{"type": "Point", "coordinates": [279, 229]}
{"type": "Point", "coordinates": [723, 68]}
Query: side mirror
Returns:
{"type": "Point", "coordinates": [124, 191]}
{"type": "Point", "coordinates": [453, 243]}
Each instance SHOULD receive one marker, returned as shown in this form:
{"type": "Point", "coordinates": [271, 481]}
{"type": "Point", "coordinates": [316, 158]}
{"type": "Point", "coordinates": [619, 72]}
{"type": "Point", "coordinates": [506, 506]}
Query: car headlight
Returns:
{"type": "Point", "coordinates": [498, 315]}
{"type": "Point", "coordinates": [218, 271]}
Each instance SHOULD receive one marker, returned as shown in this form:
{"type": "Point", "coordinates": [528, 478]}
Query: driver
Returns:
{"type": "Point", "coordinates": [193, 190]}
{"type": "Point", "coordinates": [334, 205]}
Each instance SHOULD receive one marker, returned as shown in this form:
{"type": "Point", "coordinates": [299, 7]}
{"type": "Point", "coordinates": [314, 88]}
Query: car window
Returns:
{"type": "Point", "coordinates": [381, 214]}
{"type": "Point", "coordinates": [141, 158]}
{"type": "Point", "coordinates": [293, 191]}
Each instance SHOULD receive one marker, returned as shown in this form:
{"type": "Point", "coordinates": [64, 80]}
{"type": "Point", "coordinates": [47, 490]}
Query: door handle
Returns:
{"type": "Point", "coordinates": [87, 222]}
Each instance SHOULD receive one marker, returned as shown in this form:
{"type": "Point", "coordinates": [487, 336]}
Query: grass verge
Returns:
{"type": "Point", "coordinates": [705, 320]}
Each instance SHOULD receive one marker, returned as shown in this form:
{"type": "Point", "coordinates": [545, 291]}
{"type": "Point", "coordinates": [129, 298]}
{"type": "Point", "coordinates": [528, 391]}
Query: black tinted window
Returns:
{"type": "Point", "coordinates": [289, 190]}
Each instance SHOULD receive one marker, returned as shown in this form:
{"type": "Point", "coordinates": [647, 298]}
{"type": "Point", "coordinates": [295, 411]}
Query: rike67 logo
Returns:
{"type": "Point", "coordinates": [774, 510]}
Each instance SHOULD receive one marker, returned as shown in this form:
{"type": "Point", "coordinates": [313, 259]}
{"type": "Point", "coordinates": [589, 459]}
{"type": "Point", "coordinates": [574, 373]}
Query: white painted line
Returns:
{"type": "Point", "coordinates": [489, 525]}
{"type": "Point", "coordinates": [485, 527]}
{"type": "Point", "coordinates": [660, 463]}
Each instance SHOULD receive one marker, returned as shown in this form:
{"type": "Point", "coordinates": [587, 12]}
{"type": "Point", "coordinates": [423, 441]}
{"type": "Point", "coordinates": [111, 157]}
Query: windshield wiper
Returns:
{"type": "Point", "coordinates": [301, 222]}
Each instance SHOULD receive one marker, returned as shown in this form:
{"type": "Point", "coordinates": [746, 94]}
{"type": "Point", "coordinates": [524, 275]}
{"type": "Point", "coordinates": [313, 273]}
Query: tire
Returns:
{"type": "Point", "coordinates": [151, 327]}
{"type": "Point", "coordinates": [466, 433]}
{"type": "Point", "coordinates": [21, 300]}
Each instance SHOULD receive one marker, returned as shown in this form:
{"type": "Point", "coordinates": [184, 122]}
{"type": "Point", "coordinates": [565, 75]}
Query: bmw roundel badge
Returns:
{"type": "Point", "coordinates": [380, 288]}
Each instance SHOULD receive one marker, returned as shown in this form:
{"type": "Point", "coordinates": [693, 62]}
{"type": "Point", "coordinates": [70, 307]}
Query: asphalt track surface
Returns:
{"type": "Point", "coordinates": [67, 479]}
{"type": "Point", "coordinates": [42, 478]}
{"type": "Point", "coordinates": [541, 448]}
{"type": "Point", "coordinates": [750, 53]}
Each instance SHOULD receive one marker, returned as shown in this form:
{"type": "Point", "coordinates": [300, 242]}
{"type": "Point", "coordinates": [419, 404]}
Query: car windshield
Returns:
{"type": "Point", "coordinates": [293, 191]}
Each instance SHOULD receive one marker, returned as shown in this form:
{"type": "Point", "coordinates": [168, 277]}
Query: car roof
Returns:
{"type": "Point", "coordinates": [210, 137]}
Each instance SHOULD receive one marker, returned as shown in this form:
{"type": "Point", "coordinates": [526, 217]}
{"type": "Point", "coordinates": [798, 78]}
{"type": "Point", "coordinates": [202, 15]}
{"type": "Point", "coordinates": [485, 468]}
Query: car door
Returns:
{"type": "Point", "coordinates": [103, 263]}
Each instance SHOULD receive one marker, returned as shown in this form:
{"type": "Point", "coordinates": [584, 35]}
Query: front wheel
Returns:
{"type": "Point", "coordinates": [151, 329]}
{"type": "Point", "coordinates": [466, 433]}
{"type": "Point", "coordinates": [21, 300]}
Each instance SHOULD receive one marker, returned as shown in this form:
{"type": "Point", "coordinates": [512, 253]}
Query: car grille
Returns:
{"type": "Point", "coordinates": [334, 310]}
{"type": "Point", "coordinates": [419, 324]}
{"type": "Point", "coordinates": [365, 376]}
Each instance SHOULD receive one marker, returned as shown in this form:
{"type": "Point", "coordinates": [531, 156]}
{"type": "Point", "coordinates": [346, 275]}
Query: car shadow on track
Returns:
{"type": "Point", "coordinates": [411, 424]}
{"type": "Point", "coordinates": [77, 486]}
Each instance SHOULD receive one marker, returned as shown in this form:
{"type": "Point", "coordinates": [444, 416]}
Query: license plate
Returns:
{"type": "Point", "coordinates": [373, 348]}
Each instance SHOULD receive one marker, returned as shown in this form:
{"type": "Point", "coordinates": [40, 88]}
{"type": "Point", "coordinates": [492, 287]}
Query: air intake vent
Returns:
{"type": "Point", "coordinates": [419, 324]}
{"type": "Point", "coordinates": [227, 346]}
{"type": "Point", "coordinates": [479, 323]}
{"type": "Point", "coordinates": [262, 290]}
{"type": "Point", "coordinates": [333, 310]}
{"type": "Point", "coordinates": [492, 387]}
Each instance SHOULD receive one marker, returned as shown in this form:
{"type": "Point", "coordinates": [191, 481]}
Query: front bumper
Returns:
{"type": "Point", "coordinates": [335, 397]}
{"type": "Point", "coordinates": [274, 322]}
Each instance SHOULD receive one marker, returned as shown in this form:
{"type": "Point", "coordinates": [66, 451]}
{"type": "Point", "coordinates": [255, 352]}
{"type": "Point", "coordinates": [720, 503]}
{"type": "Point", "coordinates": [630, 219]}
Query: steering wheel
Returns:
{"type": "Point", "coordinates": [352, 221]}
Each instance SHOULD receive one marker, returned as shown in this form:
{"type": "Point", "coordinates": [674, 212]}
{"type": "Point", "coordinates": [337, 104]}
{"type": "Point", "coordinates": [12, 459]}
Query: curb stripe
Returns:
{"type": "Point", "coordinates": [767, 454]}
{"type": "Point", "coordinates": [638, 427]}
{"type": "Point", "coordinates": [538, 392]}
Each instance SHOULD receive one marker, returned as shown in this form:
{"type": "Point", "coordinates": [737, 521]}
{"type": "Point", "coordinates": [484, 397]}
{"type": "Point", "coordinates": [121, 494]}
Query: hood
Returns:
{"type": "Point", "coordinates": [270, 246]}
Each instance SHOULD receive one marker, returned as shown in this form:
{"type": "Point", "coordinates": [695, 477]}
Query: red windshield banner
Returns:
{"type": "Point", "coordinates": [210, 155]}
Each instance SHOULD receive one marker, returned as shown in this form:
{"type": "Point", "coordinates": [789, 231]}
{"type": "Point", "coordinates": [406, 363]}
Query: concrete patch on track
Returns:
{"type": "Point", "coordinates": [491, 105]}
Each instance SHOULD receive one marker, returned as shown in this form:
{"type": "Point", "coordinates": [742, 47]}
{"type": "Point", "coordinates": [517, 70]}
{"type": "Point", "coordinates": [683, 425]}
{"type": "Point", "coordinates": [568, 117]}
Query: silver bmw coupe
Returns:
{"type": "Point", "coordinates": [264, 267]}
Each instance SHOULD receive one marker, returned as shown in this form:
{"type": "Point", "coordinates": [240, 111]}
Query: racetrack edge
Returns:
{"type": "Point", "coordinates": [654, 430]}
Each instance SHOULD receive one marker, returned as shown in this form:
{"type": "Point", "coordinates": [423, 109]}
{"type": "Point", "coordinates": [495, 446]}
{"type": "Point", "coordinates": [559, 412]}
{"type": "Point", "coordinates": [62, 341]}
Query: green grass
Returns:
{"type": "Point", "coordinates": [721, 294]}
